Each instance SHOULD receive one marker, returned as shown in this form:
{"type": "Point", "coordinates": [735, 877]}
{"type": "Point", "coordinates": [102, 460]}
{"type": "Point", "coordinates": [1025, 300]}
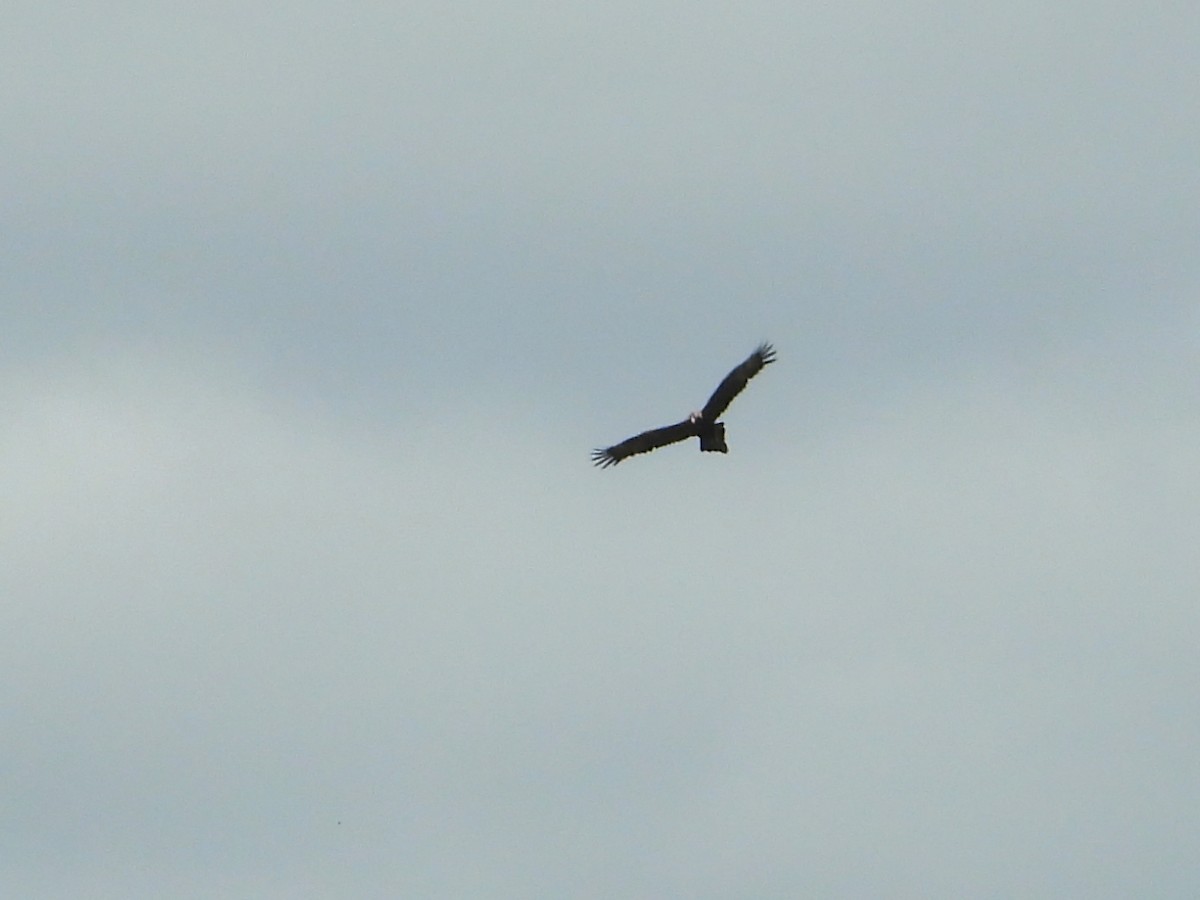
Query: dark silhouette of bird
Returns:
{"type": "Point", "coordinates": [702, 424]}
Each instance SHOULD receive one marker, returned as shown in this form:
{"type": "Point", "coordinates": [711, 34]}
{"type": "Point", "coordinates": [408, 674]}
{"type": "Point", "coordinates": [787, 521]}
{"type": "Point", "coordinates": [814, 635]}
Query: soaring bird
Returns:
{"type": "Point", "coordinates": [702, 424]}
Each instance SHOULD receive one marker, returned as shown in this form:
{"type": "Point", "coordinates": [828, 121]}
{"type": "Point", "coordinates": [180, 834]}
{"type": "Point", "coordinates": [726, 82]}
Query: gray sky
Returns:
{"type": "Point", "coordinates": [312, 315]}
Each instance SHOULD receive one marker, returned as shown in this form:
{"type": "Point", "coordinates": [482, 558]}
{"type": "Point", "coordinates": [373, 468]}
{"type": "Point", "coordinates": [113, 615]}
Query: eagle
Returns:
{"type": "Point", "coordinates": [702, 424]}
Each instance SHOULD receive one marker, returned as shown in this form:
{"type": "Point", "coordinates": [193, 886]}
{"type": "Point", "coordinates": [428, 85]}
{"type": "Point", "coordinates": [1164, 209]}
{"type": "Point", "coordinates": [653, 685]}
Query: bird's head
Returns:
{"type": "Point", "coordinates": [694, 417]}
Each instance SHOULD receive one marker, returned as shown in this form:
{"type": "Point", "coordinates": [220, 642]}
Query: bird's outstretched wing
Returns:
{"type": "Point", "coordinates": [733, 383]}
{"type": "Point", "coordinates": [644, 443]}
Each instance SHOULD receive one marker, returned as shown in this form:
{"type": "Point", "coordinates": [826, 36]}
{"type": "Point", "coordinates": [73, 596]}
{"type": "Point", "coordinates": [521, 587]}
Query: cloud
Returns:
{"type": "Point", "coordinates": [951, 636]}
{"type": "Point", "coordinates": [310, 588]}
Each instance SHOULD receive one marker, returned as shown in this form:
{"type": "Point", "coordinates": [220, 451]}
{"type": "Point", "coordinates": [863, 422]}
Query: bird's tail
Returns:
{"type": "Point", "coordinates": [712, 440]}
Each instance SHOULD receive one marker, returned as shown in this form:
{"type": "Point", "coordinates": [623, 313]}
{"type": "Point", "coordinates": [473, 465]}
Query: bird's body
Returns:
{"type": "Point", "coordinates": [702, 424]}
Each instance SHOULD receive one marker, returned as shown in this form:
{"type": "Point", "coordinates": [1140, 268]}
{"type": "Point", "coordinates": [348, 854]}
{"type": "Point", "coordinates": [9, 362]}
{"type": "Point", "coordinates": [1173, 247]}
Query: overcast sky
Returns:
{"type": "Point", "coordinates": [313, 312]}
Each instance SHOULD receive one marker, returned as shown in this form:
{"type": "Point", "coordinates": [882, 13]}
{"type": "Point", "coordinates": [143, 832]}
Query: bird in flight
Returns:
{"type": "Point", "coordinates": [702, 424]}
